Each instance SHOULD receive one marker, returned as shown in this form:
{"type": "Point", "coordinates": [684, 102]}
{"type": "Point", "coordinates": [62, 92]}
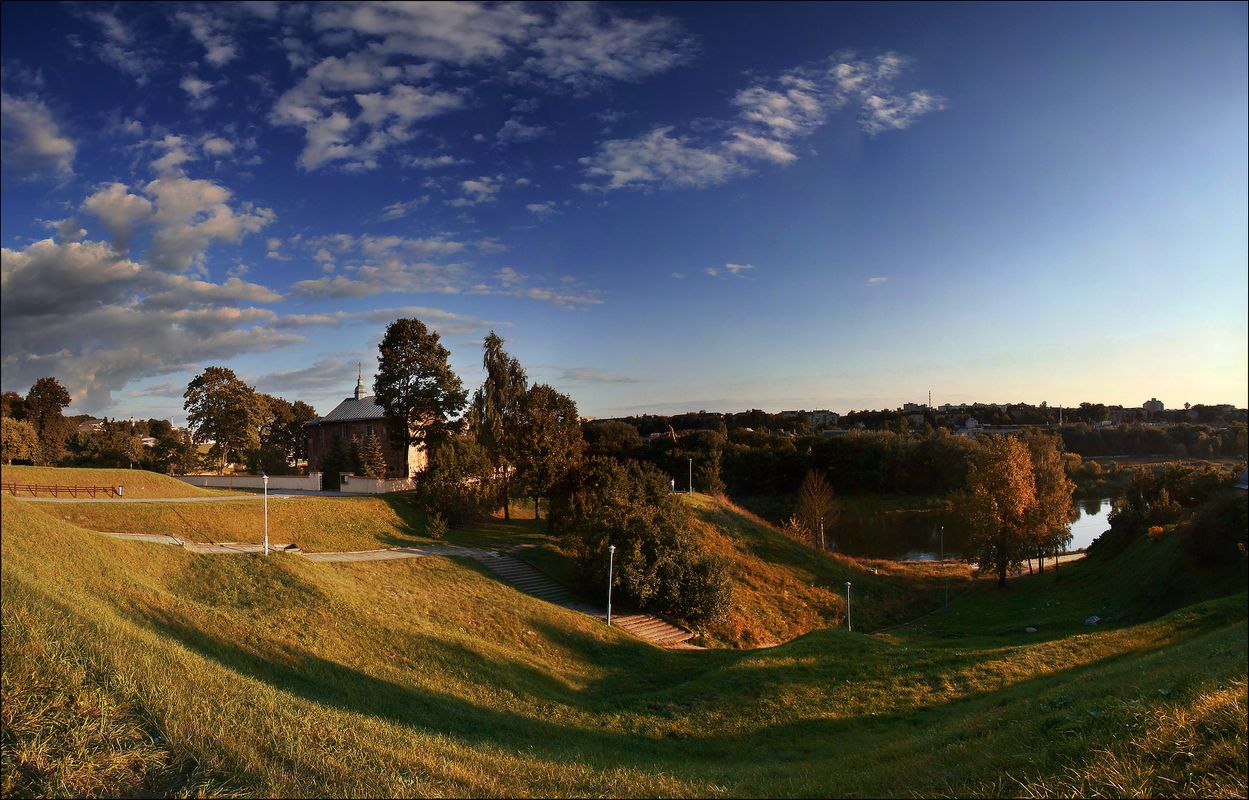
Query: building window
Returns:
{"type": "Point", "coordinates": [368, 429]}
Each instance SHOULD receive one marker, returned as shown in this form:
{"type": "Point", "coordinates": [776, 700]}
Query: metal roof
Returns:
{"type": "Point", "coordinates": [353, 410]}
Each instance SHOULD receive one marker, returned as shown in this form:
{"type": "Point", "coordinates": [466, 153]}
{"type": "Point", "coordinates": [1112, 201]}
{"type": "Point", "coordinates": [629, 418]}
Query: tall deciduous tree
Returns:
{"type": "Point", "coordinates": [415, 384]}
{"type": "Point", "coordinates": [495, 410]}
{"type": "Point", "coordinates": [549, 441]}
{"type": "Point", "coordinates": [1050, 515]}
{"type": "Point", "coordinates": [997, 504]}
{"type": "Point", "coordinates": [42, 408]}
{"type": "Point", "coordinates": [223, 409]}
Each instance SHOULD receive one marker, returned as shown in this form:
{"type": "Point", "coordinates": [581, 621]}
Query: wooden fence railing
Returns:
{"type": "Point", "coordinates": [57, 491]}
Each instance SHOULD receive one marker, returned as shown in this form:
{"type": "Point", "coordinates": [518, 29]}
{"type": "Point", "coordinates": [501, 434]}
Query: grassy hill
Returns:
{"type": "Point", "coordinates": [138, 483]}
{"type": "Point", "coordinates": [134, 668]}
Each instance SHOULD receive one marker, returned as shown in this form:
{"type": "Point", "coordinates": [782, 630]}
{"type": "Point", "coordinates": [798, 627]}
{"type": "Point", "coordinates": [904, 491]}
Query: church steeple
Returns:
{"type": "Point", "coordinates": [360, 382]}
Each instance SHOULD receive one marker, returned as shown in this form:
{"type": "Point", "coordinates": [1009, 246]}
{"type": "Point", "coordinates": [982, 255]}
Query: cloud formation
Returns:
{"type": "Point", "coordinates": [32, 141]}
{"type": "Point", "coordinates": [773, 116]}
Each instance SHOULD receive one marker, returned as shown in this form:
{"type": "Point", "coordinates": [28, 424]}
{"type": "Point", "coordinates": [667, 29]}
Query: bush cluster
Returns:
{"type": "Point", "coordinates": [659, 564]}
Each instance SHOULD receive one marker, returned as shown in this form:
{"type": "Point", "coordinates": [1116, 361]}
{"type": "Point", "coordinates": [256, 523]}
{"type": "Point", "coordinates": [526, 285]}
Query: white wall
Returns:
{"type": "Point", "coordinates": [356, 485]}
{"type": "Point", "coordinates": [310, 482]}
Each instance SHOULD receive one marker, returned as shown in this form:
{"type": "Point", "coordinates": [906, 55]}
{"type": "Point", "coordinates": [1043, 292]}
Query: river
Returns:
{"type": "Point", "coordinates": [919, 535]}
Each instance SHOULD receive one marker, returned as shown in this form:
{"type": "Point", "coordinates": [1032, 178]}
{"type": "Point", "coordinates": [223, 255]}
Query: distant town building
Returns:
{"type": "Point", "coordinates": [90, 426]}
{"type": "Point", "coordinates": [816, 418]}
{"type": "Point", "coordinates": [1153, 405]}
{"type": "Point", "coordinates": [351, 421]}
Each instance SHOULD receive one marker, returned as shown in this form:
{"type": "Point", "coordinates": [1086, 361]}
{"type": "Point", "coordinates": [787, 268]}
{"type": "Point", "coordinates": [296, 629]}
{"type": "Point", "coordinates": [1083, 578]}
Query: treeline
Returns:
{"type": "Point", "coordinates": [1183, 440]}
{"type": "Point", "coordinates": [747, 463]}
{"type": "Point", "coordinates": [760, 463]}
{"type": "Point", "coordinates": [234, 423]}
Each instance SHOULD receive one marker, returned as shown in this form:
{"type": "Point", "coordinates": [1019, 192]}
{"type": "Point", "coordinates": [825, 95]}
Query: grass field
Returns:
{"type": "Point", "coordinates": [138, 483]}
{"type": "Point", "coordinates": [133, 668]}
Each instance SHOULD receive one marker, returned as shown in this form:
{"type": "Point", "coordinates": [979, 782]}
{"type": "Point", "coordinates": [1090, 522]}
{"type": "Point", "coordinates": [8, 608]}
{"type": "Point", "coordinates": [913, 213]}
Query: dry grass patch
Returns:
{"type": "Point", "coordinates": [138, 483]}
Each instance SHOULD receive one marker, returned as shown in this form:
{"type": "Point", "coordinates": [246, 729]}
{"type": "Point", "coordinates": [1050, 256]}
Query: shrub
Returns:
{"type": "Point", "coordinates": [436, 525]}
{"type": "Point", "coordinates": [1217, 530]}
{"type": "Point", "coordinates": [659, 564]}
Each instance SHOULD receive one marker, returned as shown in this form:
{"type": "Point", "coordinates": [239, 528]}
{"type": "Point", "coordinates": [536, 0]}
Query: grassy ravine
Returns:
{"type": "Point", "coordinates": [782, 588]}
{"type": "Point", "coordinates": [134, 669]}
{"type": "Point", "coordinates": [138, 483]}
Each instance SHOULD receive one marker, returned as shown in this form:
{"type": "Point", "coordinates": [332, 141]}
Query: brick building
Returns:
{"type": "Point", "coordinates": [351, 421]}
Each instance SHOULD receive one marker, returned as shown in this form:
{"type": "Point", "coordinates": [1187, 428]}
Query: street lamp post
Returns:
{"type": "Point", "coordinates": [611, 557]}
{"type": "Point", "coordinates": [941, 530]}
{"type": "Point", "coordinates": [822, 532]}
{"type": "Point", "coordinates": [691, 476]}
{"type": "Point", "coordinates": [848, 628]}
{"type": "Point", "coordinates": [266, 482]}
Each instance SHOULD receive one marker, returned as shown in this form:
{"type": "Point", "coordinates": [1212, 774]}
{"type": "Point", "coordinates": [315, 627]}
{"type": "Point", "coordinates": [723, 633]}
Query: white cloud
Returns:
{"type": "Point", "coordinates": [402, 209]}
{"type": "Point", "coordinates": [478, 190]}
{"type": "Point", "coordinates": [772, 116]}
{"type": "Point", "coordinates": [895, 113]}
{"type": "Point", "coordinates": [658, 159]}
{"type": "Point", "coordinates": [120, 49]}
{"type": "Point", "coordinates": [433, 162]}
{"type": "Point", "coordinates": [587, 44]}
{"type": "Point", "coordinates": [346, 123]}
{"type": "Point", "coordinates": [207, 29]}
{"type": "Point", "coordinates": [541, 209]}
{"type": "Point", "coordinates": [200, 92]}
{"type": "Point", "coordinates": [217, 146]}
{"type": "Point", "coordinates": [119, 211]}
{"type": "Point", "coordinates": [98, 320]}
{"type": "Point", "coordinates": [516, 131]}
{"type": "Point", "coordinates": [877, 281]}
{"type": "Point", "coordinates": [32, 142]}
{"type": "Point", "coordinates": [732, 270]}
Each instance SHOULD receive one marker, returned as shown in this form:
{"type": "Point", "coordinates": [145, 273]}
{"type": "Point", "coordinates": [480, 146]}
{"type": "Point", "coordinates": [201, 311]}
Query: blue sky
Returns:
{"type": "Point", "coordinates": [661, 207]}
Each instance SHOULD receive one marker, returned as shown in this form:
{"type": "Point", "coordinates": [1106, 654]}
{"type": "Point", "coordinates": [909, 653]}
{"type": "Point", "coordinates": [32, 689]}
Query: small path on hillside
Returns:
{"type": "Point", "coordinates": [115, 500]}
{"type": "Point", "coordinates": [512, 570]}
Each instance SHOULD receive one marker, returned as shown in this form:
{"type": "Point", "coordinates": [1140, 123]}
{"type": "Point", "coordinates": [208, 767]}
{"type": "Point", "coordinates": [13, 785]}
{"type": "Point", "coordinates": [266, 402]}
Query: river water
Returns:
{"type": "Point", "coordinates": [918, 535]}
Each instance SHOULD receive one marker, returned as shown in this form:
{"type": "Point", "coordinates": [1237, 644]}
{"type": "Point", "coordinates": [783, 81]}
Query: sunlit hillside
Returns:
{"type": "Point", "coordinates": [137, 668]}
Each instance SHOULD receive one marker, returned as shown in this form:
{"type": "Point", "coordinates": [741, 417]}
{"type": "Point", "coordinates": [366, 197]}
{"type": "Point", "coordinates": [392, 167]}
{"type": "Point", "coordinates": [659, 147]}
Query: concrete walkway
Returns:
{"type": "Point", "coordinates": [419, 551]}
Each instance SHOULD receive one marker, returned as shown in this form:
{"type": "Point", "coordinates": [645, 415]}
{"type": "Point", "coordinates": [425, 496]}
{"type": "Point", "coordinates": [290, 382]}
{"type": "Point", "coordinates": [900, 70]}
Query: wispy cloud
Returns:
{"type": "Point", "coordinates": [877, 281]}
{"type": "Point", "coordinates": [773, 116]}
{"type": "Point", "coordinates": [728, 270]}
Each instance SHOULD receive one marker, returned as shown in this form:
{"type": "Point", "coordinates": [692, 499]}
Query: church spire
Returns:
{"type": "Point", "coordinates": [360, 381]}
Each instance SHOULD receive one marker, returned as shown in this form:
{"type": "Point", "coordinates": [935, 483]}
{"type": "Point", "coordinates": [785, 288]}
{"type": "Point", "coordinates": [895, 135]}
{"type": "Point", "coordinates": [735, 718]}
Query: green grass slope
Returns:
{"type": "Point", "coordinates": [147, 669]}
{"type": "Point", "coordinates": [138, 483]}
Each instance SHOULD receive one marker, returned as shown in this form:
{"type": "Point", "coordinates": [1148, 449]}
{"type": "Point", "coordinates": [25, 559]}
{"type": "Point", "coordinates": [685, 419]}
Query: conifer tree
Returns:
{"type": "Point", "coordinates": [372, 459]}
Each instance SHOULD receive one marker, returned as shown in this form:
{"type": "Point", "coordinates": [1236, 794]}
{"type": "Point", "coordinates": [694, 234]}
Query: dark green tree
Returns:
{"type": "Point", "coordinates": [223, 410]}
{"type": "Point", "coordinates": [372, 459]}
{"type": "Point", "coordinates": [549, 441]}
{"type": "Point", "coordinates": [496, 409]}
{"type": "Point", "coordinates": [12, 405]}
{"type": "Point", "coordinates": [43, 408]}
{"type": "Point", "coordinates": [415, 384]}
{"type": "Point", "coordinates": [659, 565]}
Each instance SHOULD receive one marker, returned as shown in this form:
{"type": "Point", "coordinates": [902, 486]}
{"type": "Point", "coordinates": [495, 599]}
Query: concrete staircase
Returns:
{"type": "Point", "coordinates": [538, 584]}
{"type": "Point", "coordinates": [652, 629]}
{"type": "Point", "coordinates": [529, 580]}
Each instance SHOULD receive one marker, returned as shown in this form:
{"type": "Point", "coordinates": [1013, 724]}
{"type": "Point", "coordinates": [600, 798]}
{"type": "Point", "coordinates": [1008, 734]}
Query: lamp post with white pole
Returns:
{"type": "Point", "coordinates": [611, 557]}
{"type": "Point", "coordinates": [691, 476]}
{"type": "Point", "coordinates": [266, 482]}
{"type": "Point", "coordinates": [848, 628]}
